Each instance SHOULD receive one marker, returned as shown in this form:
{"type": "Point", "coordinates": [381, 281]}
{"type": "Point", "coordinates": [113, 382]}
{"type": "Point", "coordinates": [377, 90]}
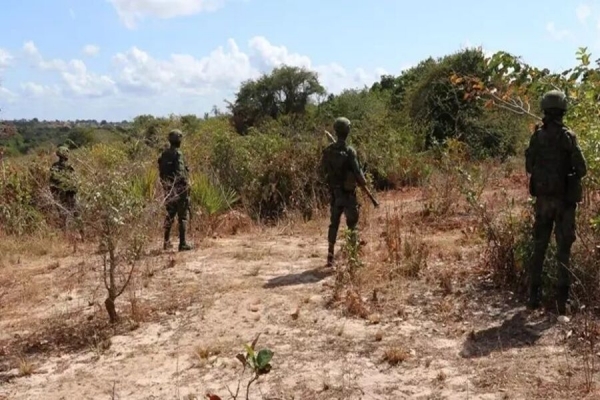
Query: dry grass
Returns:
{"type": "Point", "coordinates": [26, 368]}
{"type": "Point", "coordinates": [395, 355]}
{"type": "Point", "coordinates": [202, 352]}
{"type": "Point", "coordinates": [402, 266]}
{"type": "Point", "coordinates": [15, 250]}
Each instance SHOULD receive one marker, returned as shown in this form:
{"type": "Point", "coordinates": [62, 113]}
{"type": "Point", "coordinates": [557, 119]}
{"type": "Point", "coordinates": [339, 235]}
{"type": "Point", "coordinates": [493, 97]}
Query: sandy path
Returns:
{"type": "Point", "coordinates": [273, 283]}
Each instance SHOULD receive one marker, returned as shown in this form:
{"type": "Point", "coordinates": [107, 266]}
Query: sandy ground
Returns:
{"type": "Point", "coordinates": [188, 315]}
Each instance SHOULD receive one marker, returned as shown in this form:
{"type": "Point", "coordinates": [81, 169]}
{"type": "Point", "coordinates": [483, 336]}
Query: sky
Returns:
{"type": "Point", "coordinates": [116, 59]}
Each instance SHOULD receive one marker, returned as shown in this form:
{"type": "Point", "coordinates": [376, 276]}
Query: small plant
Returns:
{"type": "Point", "coordinates": [259, 364]}
{"type": "Point", "coordinates": [25, 368]}
{"type": "Point", "coordinates": [395, 355]}
{"type": "Point", "coordinates": [406, 254]}
{"type": "Point", "coordinates": [116, 210]}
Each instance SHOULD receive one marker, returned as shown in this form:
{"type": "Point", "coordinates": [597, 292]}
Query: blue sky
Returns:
{"type": "Point", "coordinates": [115, 59]}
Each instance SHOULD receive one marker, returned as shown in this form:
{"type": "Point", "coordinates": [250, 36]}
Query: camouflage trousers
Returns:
{"type": "Point", "coordinates": [552, 213]}
{"type": "Point", "coordinates": [67, 206]}
{"type": "Point", "coordinates": [176, 206]}
{"type": "Point", "coordinates": [346, 203]}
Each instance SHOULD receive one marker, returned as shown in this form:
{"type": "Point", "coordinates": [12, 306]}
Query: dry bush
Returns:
{"type": "Point", "coordinates": [441, 193]}
{"type": "Point", "coordinates": [406, 253]}
{"type": "Point", "coordinates": [395, 355]}
{"type": "Point", "coordinates": [26, 368]}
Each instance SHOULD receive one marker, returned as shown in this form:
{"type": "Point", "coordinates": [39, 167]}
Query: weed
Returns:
{"type": "Point", "coordinates": [203, 352]}
{"type": "Point", "coordinates": [259, 364]}
{"type": "Point", "coordinates": [25, 367]}
{"type": "Point", "coordinates": [395, 355]}
{"type": "Point", "coordinates": [406, 254]}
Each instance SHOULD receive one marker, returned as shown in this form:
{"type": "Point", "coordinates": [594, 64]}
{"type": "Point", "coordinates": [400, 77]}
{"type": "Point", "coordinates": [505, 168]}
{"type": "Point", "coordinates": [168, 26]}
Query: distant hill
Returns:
{"type": "Point", "coordinates": [18, 137]}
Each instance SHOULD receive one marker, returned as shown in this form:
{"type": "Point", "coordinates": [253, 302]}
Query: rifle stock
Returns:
{"type": "Point", "coordinates": [365, 188]}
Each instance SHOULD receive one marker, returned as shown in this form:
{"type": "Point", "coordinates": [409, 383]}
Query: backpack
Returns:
{"type": "Point", "coordinates": [548, 159]}
{"type": "Point", "coordinates": [167, 165]}
{"type": "Point", "coordinates": [337, 164]}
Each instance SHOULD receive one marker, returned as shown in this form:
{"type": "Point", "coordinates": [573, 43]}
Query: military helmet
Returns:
{"type": "Point", "coordinates": [62, 152]}
{"type": "Point", "coordinates": [554, 99]}
{"type": "Point", "coordinates": [342, 125]}
{"type": "Point", "coordinates": [175, 136]}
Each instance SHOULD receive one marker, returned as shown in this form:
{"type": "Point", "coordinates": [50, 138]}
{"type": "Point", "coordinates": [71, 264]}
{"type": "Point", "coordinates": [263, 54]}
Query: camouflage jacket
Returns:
{"type": "Point", "coordinates": [173, 171]}
{"type": "Point", "coordinates": [62, 177]}
{"type": "Point", "coordinates": [340, 166]}
{"type": "Point", "coordinates": [552, 158]}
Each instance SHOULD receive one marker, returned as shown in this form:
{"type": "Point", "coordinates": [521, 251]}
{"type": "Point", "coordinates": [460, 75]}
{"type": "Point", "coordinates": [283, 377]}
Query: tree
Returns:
{"type": "Point", "coordinates": [117, 204]}
{"type": "Point", "coordinates": [446, 110]}
{"type": "Point", "coordinates": [80, 137]}
{"type": "Point", "coordinates": [397, 87]}
{"type": "Point", "coordinates": [285, 91]}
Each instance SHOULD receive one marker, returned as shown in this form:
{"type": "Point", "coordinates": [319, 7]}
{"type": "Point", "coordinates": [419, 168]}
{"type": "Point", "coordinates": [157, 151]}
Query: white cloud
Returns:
{"type": "Point", "coordinates": [132, 11]}
{"type": "Point", "coordinates": [7, 95]}
{"type": "Point", "coordinates": [79, 81]}
{"type": "Point", "coordinates": [36, 90]}
{"type": "Point", "coordinates": [333, 76]}
{"type": "Point", "coordinates": [183, 83]}
{"type": "Point", "coordinates": [30, 49]}
{"type": "Point", "coordinates": [271, 56]}
{"type": "Point", "coordinates": [221, 69]}
{"type": "Point", "coordinates": [91, 50]}
{"type": "Point", "coordinates": [83, 83]}
{"type": "Point", "coordinates": [557, 34]}
{"type": "Point", "coordinates": [583, 12]}
{"type": "Point", "coordinates": [5, 58]}
{"type": "Point", "coordinates": [32, 52]}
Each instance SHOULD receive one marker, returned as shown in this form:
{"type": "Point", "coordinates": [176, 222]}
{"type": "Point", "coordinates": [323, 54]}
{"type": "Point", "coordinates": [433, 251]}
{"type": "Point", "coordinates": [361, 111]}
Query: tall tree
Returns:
{"type": "Point", "coordinates": [285, 91]}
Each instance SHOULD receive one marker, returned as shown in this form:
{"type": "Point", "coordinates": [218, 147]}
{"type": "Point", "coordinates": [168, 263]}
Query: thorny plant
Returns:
{"type": "Point", "coordinates": [259, 364]}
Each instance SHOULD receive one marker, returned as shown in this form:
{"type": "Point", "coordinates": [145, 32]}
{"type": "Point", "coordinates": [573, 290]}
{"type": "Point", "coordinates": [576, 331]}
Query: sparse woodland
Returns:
{"type": "Point", "coordinates": [430, 307]}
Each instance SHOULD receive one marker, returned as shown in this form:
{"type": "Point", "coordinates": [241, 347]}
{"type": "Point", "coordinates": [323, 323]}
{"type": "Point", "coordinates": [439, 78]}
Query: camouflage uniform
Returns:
{"type": "Point", "coordinates": [63, 188]}
{"type": "Point", "coordinates": [556, 165]}
{"type": "Point", "coordinates": [339, 164]}
{"type": "Point", "coordinates": [174, 180]}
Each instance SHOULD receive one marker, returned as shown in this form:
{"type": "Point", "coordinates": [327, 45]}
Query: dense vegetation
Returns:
{"type": "Point", "coordinates": [261, 154]}
{"type": "Point", "coordinates": [265, 149]}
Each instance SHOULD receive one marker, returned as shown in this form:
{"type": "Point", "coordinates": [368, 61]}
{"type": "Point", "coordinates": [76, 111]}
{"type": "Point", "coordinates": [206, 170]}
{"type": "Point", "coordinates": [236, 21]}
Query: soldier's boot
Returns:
{"type": "Point", "coordinates": [183, 245]}
{"type": "Point", "coordinates": [561, 299]}
{"type": "Point", "coordinates": [534, 297]}
{"type": "Point", "coordinates": [330, 253]}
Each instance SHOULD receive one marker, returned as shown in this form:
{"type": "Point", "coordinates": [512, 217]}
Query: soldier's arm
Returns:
{"type": "Point", "coordinates": [358, 173]}
{"type": "Point", "coordinates": [530, 155]}
{"type": "Point", "coordinates": [577, 159]}
{"type": "Point", "coordinates": [181, 169]}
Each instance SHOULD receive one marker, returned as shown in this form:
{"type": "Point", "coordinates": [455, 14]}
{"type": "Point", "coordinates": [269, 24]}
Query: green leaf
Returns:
{"type": "Point", "coordinates": [263, 358]}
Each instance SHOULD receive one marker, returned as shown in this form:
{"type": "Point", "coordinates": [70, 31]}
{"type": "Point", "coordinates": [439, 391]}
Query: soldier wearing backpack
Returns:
{"type": "Point", "coordinates": [174, 180]}
{"type": "Point", "coordinates": [556, 164]}
{"type": "Point", "coordinates": [339, 164]}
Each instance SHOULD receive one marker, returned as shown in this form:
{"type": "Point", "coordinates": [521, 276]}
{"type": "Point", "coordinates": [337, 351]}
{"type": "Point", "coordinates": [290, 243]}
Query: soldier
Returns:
{"type": "Point", "coordinates": [339, 164]}
{"type": "Point", "coordinates": [63, 188]}
{"type": "Point", "coordinates": [174, 179]}
{"type": "Point", "coordinates": [556, 164]}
